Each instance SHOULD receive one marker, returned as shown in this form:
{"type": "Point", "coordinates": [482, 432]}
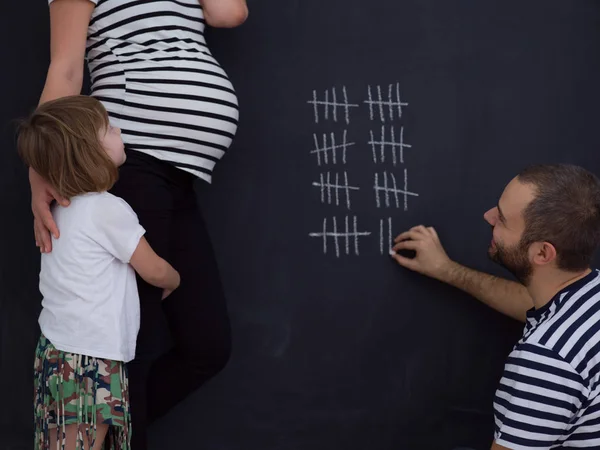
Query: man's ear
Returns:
{"type": "Point", "coordinates": [542, 253]}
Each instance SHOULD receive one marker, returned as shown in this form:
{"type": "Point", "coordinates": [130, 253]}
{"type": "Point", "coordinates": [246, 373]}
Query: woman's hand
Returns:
{"type": "Point", "coordinates": [42, 195]}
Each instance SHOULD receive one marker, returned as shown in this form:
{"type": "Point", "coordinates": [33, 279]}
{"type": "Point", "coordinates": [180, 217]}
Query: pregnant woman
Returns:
{"type": "Point", "coordinates": [178, 113]}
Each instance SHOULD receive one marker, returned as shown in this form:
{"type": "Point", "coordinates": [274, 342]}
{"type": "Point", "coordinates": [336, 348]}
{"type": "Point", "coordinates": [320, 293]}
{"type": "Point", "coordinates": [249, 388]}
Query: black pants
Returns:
{"type": "Point", "coordinates": [196, 314]}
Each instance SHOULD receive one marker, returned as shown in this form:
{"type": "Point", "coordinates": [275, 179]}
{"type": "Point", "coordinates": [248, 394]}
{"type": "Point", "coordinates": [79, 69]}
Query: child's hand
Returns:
{"type": "Point", "coordinates": [176, 280]}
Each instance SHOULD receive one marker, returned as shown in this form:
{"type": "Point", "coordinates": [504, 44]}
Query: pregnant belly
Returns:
{"type": "Point", "coordinates": [187, 111]}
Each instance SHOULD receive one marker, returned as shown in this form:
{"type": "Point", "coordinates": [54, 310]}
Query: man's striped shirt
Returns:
{"type": "Point", "coordinates": [548, 395]}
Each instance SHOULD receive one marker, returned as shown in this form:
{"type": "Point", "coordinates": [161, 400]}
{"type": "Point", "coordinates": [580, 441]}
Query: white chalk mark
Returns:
{"type": "Point", "coordinates": [395, 190]}
{"type": "Point", "coordinates": [384, 247]}
{"type": "Point", "coordinates": [402, 145]}
{"type": "Point", "coordinates": [324, 233]}
{"type": "Point", "coordinates": [327, 186]}
{"type": "Point", "coordinates": [345, 146]}
{"type": "Point", "coordinates": [377, 190]}
{"type": "Point", "coordinates": [332, 105]}
{"type": "Point", "coordinates": [356, 233]}
{"type": "Point", "coordinates": [382, 149]}
{"type": "Point", "coordinates": [336, 237]}
{"type": "Point", "coordinates": [347, 237]}
{"type": "Point", "coordinates": [391, 105]}
{"type": "Point", "coordinates": [370, 102]}
{"type": "Point", "coordinates": [327, 149]}
{"type": "Point", "coordinates": [381, 236]}
{"type": "Point", "coordinates": [350, 236]}
{"type": "Point", "coordinates": [348, 190]}
{"type": "Point", "coordinates": [316, 107]}
{"type": "Point", "coordinates": [399, 103]}
{"type": "Point", "coordinates": [380, 104]}
{"type": "Point", "coordinates": [393, 102]}
{"type": "Point", "coordinates": [387, 189]}
{"type": "Point", "coordinates": [393, 139]}
{"type": "Point", "coordinates": [347, 107]}
{"type": "Point", "coordinates": [334, 152]}
{"type": "Point", "coordinates": [390, 233]}
{"type": "Point", "coordinates": [322, 184]}
{"type": "Point", "coordinates": [372, 142]}
{"type": "Point", "coordinates": [392, 144]}
{"type": "Point", "coordinates": [334, 102]}
{"type": "Point", "coordinates": [405, 190]}
{"type": "Point", "coordinates": [337, 189]}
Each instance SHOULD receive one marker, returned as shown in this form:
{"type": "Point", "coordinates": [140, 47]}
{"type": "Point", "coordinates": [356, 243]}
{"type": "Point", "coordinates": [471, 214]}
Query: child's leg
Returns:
{"type": "Point", "coordinates": [71, 438]}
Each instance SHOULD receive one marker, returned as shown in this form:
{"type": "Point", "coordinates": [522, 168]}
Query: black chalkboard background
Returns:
{"type": "Point", "coordinates": [347, 352]}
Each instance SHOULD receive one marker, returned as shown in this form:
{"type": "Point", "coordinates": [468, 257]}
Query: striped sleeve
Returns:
{"type": "Point", "coordinates": [537, 400]}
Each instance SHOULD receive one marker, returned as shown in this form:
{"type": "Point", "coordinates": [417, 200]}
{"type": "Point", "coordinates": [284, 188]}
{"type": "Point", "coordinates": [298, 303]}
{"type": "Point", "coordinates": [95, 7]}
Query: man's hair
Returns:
{"type": "Point", "coordinates": [564, 212]}
{"type": "Point", "coordinates": [60, 141]}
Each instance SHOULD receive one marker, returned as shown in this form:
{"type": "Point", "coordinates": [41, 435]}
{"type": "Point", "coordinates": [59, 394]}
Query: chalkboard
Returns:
{"type": "Point", "coordinates": [358, 121]}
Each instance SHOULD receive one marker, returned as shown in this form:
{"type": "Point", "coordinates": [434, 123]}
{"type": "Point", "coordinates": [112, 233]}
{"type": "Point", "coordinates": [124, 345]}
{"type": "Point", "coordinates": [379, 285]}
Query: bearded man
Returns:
{"type": "Point", "coordinates": [546, 229]}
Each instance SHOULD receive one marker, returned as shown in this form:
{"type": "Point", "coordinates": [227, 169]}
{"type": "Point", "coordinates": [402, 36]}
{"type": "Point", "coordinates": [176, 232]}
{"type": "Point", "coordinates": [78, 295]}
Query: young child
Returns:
{"type": "Point", "coordinates": [90, 315]}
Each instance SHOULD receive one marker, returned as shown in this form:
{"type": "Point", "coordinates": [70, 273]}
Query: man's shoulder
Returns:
{"type": "Point", "coordinates": [572, 333]}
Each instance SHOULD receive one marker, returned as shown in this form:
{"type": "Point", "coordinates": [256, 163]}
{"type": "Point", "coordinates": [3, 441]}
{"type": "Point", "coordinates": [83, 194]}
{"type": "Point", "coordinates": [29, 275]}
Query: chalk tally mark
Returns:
{"type": "Point", "coordinates": [395, 145]}
{"type": "Point", "coordinates": [327, 149]}
{"type": "Point", "coordinates": [386, 187]}
{"type": "Point", "coordinates": [385, 235]}
{"type": "Point", "coordinates": [389, 107]}
{"type": "Point", "coordinates": [330, 188]}
{"type": "Point", "coordinates": [349, 234]}
{"type": "Point", "coordinates": [332, 105]}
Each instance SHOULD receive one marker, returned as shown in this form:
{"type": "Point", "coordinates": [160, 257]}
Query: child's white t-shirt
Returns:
{"type": "Point", "coordinates": [90, 299]}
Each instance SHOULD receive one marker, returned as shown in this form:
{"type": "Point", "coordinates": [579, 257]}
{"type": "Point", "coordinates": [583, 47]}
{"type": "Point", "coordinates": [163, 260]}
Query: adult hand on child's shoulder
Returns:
{"type": "Point", "coordinates": [42, 195]}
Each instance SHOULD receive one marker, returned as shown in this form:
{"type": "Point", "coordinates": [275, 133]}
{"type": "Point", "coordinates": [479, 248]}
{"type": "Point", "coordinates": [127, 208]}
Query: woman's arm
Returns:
{"type": "Point", "coordinates": [225, 13]}
{"type": "Point", "coordinates": [69, 20]}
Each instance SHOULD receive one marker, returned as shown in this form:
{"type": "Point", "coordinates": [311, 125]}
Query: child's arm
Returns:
{"type": "Point", "coordinates": [115, 226]}
{"type": "Point", "coordinates": [152, 268]}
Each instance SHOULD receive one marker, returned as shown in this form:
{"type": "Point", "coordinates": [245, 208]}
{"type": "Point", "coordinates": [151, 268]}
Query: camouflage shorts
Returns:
{"type": "Point", "coordinates": [72, 389]}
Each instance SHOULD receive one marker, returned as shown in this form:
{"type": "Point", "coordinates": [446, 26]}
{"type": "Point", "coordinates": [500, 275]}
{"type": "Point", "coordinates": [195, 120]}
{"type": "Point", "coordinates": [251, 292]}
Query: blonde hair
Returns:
{"type": "Point", "coordinates": [61, 142]}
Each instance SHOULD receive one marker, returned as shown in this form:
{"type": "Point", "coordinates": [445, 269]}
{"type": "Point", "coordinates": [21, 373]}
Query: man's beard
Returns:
{"type": "Point", "coordinates": [514, 259]}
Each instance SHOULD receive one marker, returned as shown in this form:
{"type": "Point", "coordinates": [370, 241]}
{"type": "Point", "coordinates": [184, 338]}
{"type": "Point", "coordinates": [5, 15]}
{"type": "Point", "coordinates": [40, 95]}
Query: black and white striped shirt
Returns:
{"type": "Point", "coordinates": [151, 68]}
{"type": "Point", "coordinates": [548, 395]}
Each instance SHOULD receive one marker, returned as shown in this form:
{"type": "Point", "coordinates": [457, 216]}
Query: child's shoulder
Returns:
{"type": "Point", "coordinates": [100, 200]}
{"type": "Point", "coordinates": [104, 205]}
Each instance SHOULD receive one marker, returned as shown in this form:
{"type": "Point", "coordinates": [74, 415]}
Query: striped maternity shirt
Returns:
{"type": "Point", "coordinates": [151, 68]}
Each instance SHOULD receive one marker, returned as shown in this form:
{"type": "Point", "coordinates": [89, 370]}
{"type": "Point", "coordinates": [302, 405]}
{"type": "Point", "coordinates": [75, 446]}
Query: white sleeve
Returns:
{"type": "Point", "coordinates": [115, 226]}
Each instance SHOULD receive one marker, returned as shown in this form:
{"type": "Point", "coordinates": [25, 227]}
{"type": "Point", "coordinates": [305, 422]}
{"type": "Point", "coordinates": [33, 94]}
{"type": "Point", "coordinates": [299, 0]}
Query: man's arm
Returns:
{"type": "Point", "coordinates": [498, 447]}
{"type": "Point", "coordinates": [505, 296]}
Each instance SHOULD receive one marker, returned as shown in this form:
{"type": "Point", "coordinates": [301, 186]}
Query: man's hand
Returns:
{"type": "Point", "coordinates": [430, 258]}
{"type": "Point", "coordinates": [42, 195]}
